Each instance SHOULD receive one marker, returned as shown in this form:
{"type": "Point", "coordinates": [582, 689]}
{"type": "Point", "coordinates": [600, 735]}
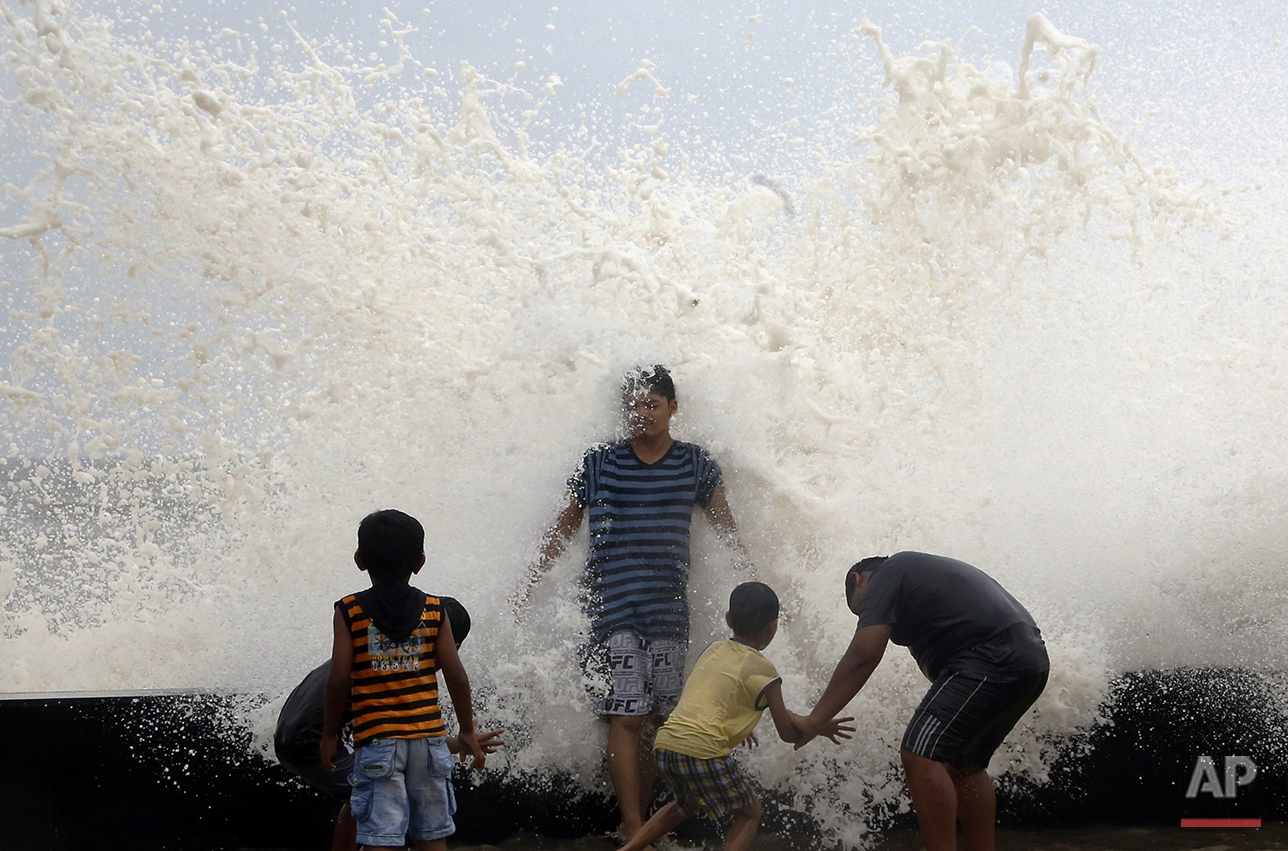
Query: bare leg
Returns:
{"type": "Point", "coordinates": [430, 844]}
{"type": "Point", "coordinates": [625, 769]}
{"type": "Point", "coordinates": [648, 765]}
{"type": "Point", "coordinates": [934, 797]}
{"type": "Point", "coordinates": [976, 808]}
{"type": "Point", "coordinates": [663, 822]}
{"type": "Point", "coordinates": [345, 837]}
{"type": "Point", "coordinates": [746, 821]}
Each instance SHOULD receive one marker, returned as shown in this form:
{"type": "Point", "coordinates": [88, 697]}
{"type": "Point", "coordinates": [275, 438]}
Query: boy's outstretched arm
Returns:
{"type": "Point", "coordinates": [489, 741]}
{"type": "Point", "coordinates": [458, 686]}
{"type": "Point", "coordinates": [721, 517]}
{"type": "Point", "coordinates": [553, 543]}
{"type": "Point", "coordinates": [338, 683]}
{"type": "Point", "coordinates": [787, 723]}
{"type": "Point", "coordinates": [860, 660]}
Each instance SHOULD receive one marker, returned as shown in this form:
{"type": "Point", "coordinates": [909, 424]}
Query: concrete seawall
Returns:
{"type": "Point", "coordinates": [166, 770]}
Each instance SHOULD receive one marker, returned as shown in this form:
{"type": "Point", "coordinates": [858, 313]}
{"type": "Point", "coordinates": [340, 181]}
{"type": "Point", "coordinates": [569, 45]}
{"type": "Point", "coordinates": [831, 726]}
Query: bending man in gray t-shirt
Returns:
{"type": "Point", "coordinates": [988, 665]}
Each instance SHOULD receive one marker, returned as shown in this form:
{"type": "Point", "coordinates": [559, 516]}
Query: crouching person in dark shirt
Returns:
{"type": "Point", "coordinates": [987, 663]}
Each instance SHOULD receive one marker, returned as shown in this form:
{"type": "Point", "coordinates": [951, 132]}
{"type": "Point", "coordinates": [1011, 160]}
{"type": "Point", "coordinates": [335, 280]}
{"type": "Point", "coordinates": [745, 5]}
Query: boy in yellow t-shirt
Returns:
{"type": "Point", "coordinates": [730, 688]}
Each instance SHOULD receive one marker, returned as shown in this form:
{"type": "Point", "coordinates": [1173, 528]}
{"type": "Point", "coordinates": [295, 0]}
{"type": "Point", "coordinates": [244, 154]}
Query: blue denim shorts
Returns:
{"type": "Point", "coordinates": [401, 788]}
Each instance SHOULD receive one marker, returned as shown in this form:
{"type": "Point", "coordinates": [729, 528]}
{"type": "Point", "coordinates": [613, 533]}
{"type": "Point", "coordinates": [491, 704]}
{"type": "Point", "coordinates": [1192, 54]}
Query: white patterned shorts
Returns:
{"type": "Point", "coordinates": [643, 677]}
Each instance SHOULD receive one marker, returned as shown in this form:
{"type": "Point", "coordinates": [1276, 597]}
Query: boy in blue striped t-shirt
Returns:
{"type": "Point", "coordinates": [639, 494]}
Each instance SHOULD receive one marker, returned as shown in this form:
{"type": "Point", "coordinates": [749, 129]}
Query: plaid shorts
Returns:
{"type": "Point", "coordinates": [712, 786]}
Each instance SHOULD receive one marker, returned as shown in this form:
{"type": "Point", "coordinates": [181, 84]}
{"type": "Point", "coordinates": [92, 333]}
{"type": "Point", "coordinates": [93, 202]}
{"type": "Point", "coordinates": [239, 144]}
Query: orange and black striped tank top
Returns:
{"type": "Point", "coordinates": [395, 690]}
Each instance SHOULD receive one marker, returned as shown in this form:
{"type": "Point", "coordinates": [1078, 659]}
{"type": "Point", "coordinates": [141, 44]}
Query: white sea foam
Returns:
{"type": "Point", "coordinates": [255, 301]}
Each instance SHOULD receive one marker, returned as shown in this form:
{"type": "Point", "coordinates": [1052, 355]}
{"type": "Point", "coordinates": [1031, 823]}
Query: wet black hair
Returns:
{"type": "Point", "coordinates": [654, 379]}
{"type": "Point", "coordinates": [457, 616]}
{"type": "Point", "coordinates": [752, 605]}
{"type": "Point", "coordinates": [391, 544]}
{"type": "Point", "coordinates": [867, 565]}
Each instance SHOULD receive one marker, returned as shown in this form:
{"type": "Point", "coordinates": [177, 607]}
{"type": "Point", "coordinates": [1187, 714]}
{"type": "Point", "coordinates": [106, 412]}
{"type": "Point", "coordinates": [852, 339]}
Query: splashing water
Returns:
{"type": "Point", "coordinates": [252, 302]}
